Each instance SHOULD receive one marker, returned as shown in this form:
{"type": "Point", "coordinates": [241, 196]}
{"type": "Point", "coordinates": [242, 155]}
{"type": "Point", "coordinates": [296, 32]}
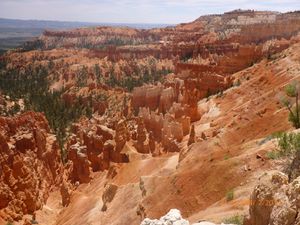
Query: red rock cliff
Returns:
{"type": "Point", "coordinates": [30, 164]}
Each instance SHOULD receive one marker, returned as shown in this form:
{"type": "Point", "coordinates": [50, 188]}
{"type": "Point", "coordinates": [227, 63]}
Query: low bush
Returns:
{"type": "Point", "coordinates": [273, 155]}
{"type": "Point", "coordinates": [237, 219]}
{"type": "Point", "coordinates": [230, 195]}
{"type": "Point", "coordinates": [291, 102]}
{"type": "Point", "coordinates": [288, 144]}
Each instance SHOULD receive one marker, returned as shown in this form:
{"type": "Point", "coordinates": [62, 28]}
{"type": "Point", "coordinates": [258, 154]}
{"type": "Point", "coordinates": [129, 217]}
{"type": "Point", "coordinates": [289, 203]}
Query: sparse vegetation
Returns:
{"type": "Point", "coordinates": [237, 219]}
{"type": "Point", "coordinates": [9, 111]}
{"type": "Point", "coordinates": [32, 45]}
{"type": "Point", "coordinates": [216, 93]}
{"type": "Point", "coordinates": [288, 146]}
{"type": "Point", "coordinates": [82, 76]}
{"type": "Point", "coordinates": [291, 102]}
{"type": "Point", "coordinates": [98, 73]}
{"type": "Point", "coordinates": [33, 221]}
{"type": "Point", "coordinates": [33, 87]}
{"type": "Point", "coordinates": [270, 137]}
{"type": "Point", "coordinates": [2, 52]}
{"type": "Point", "coordinates": [273, 155]}
{"type": "Point", "coordinates": [116, 41]}
{"type": "Point", "coordinates": [226, 157]}
{"type": "Point", "coordinates": [288, 143]}
{"type": "Point", "coordinates": [230, 195]}
{"type": "Point", "coordinates": [237, 83]}
{"type": "Point", "coordinates": [135, 80]}
{"type": "Point", "coordinates": [220, 94]}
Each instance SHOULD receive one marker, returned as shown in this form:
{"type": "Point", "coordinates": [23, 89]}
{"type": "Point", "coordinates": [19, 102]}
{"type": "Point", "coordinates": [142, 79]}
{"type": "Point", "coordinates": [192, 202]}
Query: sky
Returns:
{"type": "Point", "coordinates": [133, 11]}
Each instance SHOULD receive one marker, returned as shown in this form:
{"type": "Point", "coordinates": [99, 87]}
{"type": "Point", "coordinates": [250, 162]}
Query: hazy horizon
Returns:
{"type": "Point", "coordinates": [132, 11]}
{"type": "Point", "coordinates": [84, 22]}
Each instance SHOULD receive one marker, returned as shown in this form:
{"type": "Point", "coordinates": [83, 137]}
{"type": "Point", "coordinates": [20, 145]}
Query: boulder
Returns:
{"type": "Point", "coordinates": [173, 217]}
{"type": "Point", "coordinates": [274, 201]}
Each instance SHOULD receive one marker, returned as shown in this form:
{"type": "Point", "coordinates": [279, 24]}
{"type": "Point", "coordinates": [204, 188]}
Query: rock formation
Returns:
{"type": "Point", "coordinates": [108, 195]}
{"type": "Point", "coordinates": [208, 35]}
{"type": "Point", "coordinates": [30, 164]}
{"type": "Point", "coordinates": [275, 201]}
{"type": "Point", "coordinates": [81, 166]}
{"type": "Point", "coordinates": [192, 137]}
{"type": "Point", "coordinates": [142, 144]}
{"type": "Point", "coordinates": [66, 192]}
{"type": "Point", "coordinates": [146, 96]}
{"type": "Point", "coordinates": [173, 217]}
{"type": "Point", "coordinates": [122, 135]}
{"type": "Point", "coordinates": [92, 147]}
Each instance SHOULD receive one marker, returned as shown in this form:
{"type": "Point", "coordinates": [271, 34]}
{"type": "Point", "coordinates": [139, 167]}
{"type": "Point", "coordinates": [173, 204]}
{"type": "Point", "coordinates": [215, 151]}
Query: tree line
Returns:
{"type": "Point", "coordinates": [33, 87]}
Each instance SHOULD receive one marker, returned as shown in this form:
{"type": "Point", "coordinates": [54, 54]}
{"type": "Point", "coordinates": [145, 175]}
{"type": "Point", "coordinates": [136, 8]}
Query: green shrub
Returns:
{"type": "Point", "coordinates": [237, 219]}
{"type": "Point", "coordinates": [276, 134]}
{"type": "Point", "coordinates": [237, 83]}
{"type": "Point", "coordinates": [226, 157]}
{"type": "Point", "coordinates": [230, 195]}
{"type": "Point", "coordinates": [291, 102]}
{"type": "Point", "coordinates": [273, 155]}
{"type": "Point", "coordinates": [288, 143]}
{"type": "Point", "coordinates": [291, 90]}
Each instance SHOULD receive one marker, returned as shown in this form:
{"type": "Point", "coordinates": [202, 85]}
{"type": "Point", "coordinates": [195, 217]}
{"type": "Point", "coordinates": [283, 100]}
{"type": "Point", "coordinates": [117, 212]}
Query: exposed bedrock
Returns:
{"type": "Point", "coordinates": [30, 164]}
{"type": "Point", "coordinates": [275, 201]}
{"type": "Point", "coordinates": [93, 147]}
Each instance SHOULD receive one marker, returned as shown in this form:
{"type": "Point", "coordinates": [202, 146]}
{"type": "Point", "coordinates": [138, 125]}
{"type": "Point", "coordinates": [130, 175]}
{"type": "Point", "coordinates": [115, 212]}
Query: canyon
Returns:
{"type": "Point", "coordinates": [148, 121]}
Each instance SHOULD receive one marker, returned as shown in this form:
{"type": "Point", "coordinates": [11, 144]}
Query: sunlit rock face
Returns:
{"type": "Point", "coordinates": [30, 164]}
{"type": "Point", "coordinates": [92, 147]}
{"type": "Point", "coordinates": [275, 201]}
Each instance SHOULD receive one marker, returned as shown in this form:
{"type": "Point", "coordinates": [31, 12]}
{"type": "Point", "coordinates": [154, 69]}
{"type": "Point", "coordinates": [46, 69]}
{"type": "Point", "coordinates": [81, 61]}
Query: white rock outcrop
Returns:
{"type": "Point", "coordinates": [173, 217]}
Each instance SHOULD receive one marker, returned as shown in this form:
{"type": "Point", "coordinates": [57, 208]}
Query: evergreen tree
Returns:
{"type": "Point", "coordinates": [291, 101]}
